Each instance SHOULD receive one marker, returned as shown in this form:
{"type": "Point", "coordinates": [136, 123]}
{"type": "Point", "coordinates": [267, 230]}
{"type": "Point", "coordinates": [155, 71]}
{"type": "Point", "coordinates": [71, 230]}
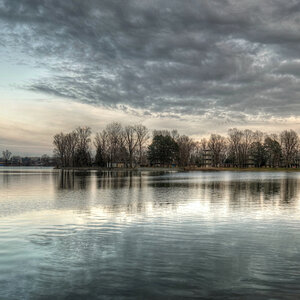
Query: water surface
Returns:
{"type": "Point", "coordinates": [220, 235]}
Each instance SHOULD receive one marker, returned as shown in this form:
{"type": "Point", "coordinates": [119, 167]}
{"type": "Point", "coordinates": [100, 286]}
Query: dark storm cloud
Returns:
{"type": "Point", "coordinates": [183, 57]}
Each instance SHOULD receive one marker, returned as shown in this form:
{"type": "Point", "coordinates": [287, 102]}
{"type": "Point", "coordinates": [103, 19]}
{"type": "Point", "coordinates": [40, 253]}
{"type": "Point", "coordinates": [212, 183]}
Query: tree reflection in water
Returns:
{"type": "Point", "coordinates": [136, 189]}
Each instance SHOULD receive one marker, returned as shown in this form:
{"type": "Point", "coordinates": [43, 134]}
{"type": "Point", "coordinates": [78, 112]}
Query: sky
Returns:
{"type": "Point", "coordinates": [198, 66]}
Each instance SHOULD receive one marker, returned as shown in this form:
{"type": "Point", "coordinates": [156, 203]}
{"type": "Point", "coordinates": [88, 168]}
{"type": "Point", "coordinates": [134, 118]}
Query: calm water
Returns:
{"type": "Point", "coordinates": [220, 235]}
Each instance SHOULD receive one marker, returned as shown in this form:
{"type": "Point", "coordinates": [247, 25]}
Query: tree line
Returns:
{"type": "Point", "coordinates": [134, 145]}
{"type": "Point", "coordinates": [8, 160]}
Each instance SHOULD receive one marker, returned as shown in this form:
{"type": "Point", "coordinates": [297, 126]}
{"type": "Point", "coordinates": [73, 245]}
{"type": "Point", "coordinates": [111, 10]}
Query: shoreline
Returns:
{"type": "Point", "coordinates": [179, 169]}
{"type": "Point", "coordinates": [119, 169]}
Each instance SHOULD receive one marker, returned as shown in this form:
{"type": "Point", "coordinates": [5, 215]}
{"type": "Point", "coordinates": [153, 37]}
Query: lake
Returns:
{"type": "Point", "coordinates": [89, 235]}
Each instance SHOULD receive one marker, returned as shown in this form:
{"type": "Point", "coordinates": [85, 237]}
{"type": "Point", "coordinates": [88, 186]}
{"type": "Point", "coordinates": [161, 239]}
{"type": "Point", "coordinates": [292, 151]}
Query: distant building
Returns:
{"type": "Point", "coordinates": [204, 158]}
{"type": "Point", "coordinates": [16, 161]}
{"type": "Point", "coordinates": [207, 158]}
{"type": "Point", "coordinates": [116, 165]}
{"type": "Point", "coordinates": [31, 161]}
{"type": "Point", "coordinates": [250, 162]}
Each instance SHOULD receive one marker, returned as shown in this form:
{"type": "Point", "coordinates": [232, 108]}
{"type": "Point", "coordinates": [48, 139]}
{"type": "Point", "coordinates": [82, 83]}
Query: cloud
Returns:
{"type": "Point", "coordinates": [229, 59]}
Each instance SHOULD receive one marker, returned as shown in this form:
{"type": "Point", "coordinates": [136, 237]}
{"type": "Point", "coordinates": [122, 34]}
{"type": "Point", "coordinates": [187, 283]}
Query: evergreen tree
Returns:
{"type": "Point", "coordinates": [163, 150]}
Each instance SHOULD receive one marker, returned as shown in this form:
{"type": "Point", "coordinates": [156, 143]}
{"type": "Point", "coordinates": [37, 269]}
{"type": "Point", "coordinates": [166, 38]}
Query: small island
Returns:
{"type": "Point", "coordinates": [133, 147]}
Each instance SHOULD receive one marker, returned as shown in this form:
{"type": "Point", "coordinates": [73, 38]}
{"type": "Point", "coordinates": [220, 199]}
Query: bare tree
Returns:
{"type": "Point", "coordinates": [66, 147]}
{"type": "Point", "coordinates": [257, 150]}
{"type": "Point", "coordinates": [258, 136]}
{"type": "Point", "coordinates": [185, 149]}
{"type": "Point", "coordinates": [200, 149]}
{"type": "Point", "coordinates": [142, 137]}
{"type": "Point", "coordinates": [235, 139]}
{"type": "Point", "coordinates": [290, 145]}
{"type": "Point", "coordinates": [84, 137]}
{"type": "Point", "coordinates": [102, 148]}
{"type": "Point", "coordinates": [71, 140]}
{"type": "Point", "coordinates": [130, 142]}
{"type": "Point", "coordinates": [273, 150]}
{"type": "Point", "coordinates": [174, 135]}
{"type": "Point", "coordinates": [240, 145]}
{"type": "Point", "coordinates": [83, 154]}
{"type": "Point", "coordinates": [60, 149]}
{"type": "Point", "coordinates": [245, 146]}
{"type": "Point", "coordinates": [6, 156]}
{"type": "Point", "coordinates": [203, 144]}
{"type": "Point", "coordinates": [217, 146]}
{"type": "Point", "coordinates": [115, 137]}
{"type": "Point", "coordinates": [195, 154]}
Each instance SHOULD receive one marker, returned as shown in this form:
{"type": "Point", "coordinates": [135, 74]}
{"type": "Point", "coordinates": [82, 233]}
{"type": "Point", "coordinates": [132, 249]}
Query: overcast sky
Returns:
{"type": "Point", "coordinates": [199, 66]}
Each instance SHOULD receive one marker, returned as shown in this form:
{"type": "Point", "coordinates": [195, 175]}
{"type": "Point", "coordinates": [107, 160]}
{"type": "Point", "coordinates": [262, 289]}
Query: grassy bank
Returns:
{"type": "Point", "coordinates": [244, 169]}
